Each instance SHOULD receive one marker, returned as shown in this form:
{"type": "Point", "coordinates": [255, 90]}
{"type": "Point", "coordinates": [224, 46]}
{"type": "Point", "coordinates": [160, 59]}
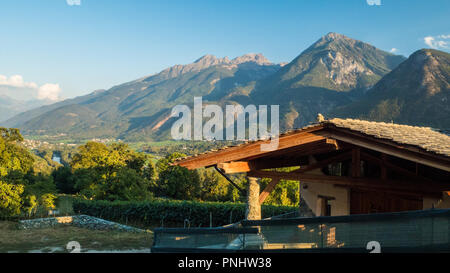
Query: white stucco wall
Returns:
{"type": "Point", "coordinates": [339, 206]}
{"type": "Point", "coordinates": [429, 203]}
{"type": "Point", "coordinates": [443, 203]}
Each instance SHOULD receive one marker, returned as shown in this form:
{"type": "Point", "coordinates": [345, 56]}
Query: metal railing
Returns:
{"type": "Point", "coordinates": [413, 231]}
{"type": "Point", "coordinates": [221, 239]}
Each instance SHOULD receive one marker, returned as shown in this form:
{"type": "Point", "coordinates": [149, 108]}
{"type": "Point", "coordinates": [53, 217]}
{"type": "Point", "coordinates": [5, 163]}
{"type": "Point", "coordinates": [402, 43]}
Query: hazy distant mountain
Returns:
{"type": "Point", "coordinates": [330, 73]}
{"type": "Point", "coordinates": [19, 119]}
{"type": "Point", "coordinates": [417, 92]}
{"type": "Point", "coordinates": [139, 109]}
{"type": "Point", "coordinates": [10, 107]}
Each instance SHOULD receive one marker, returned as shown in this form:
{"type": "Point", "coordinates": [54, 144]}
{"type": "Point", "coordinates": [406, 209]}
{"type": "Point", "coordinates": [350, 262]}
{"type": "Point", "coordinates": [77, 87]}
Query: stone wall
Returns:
{"type": "Point", "coordinates": [82, 221]}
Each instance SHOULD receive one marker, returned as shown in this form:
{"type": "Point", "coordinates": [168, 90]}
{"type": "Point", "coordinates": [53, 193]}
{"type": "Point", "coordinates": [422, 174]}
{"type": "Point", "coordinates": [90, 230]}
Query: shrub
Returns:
{"type": "Point", "coordinates": [172, 211]}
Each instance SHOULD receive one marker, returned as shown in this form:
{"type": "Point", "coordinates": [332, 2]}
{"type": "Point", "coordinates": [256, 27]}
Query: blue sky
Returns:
{"type": "Point", "coordinates": [100, 43]}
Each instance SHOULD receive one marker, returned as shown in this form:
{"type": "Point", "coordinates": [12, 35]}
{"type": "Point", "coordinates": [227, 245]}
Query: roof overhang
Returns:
{"type": "Point", "coordinates": [320, 138]}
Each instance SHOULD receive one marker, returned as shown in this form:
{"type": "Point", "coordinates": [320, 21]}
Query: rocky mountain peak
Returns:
{"type": "Point", "coordinates": [423, 56]}
{"type": "Point", "coordinates": [334, 36]}
{"type": "Point", "coordinates": [336, 41]}
{"type": "Point", "coordinates": [337, 62]}
{"type": "Point", "coordinates": [257, 58]}
{"type": "Point", "coordinates": [209, 60]}
{"type": "Point", "coordinates": [432, 70]}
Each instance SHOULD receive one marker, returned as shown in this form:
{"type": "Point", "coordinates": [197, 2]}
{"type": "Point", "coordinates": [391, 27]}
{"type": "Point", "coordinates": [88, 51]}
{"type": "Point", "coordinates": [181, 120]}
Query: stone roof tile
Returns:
{"type": "Point", "coordinates": [422, 137]}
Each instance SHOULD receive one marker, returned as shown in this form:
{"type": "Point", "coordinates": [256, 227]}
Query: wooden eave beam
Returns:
{"type": "Point", "coordinates": [418, 194]}
{"type": "Point", "coordinates": [402, 151]}
{"type": "Point", "coordinates": [241, 152]}
{"type": "Point", "coordinates": [271, 163]}
{"type": "Point", "coordinates": [317, 146]}
{"type": "Point", "coordinates": [235, 167]}
{"type": "Point", "coordinates": [324, 163]}
{"type": "Point", "coordinates": [350, 181]}
{"type": "Point", "coordinates": [384, 163]}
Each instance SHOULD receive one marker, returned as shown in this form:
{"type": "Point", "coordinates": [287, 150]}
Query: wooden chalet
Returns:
{"type": "Point", "coordinates": [345, 167]}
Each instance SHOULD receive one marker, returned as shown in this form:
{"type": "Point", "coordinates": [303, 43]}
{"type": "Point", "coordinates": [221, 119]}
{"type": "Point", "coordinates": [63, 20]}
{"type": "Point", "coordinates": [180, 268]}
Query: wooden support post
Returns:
{"type": "Point", "coordinates": [253, 211]}
{"type": "Point", "coordinates": [383, 167]}
{"type": "Point", "coordinates": [356, 162]}
{"type": "Point", "coordinates": [269, 188]}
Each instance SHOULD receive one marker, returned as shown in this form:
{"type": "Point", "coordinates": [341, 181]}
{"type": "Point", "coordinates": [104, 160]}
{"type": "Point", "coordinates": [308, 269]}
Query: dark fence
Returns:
{"type": "Point", "coordinates": [221, 239]}
{"type": "Point", "coordinates": [415, 231]}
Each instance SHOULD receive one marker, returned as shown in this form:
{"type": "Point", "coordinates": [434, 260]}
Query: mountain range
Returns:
{"type": "Point", "coordinates": [417, 92]}
{"type": "Point", "coordinates": [336, 76]}
{"type": "Point", "coordinates": [9, 107]}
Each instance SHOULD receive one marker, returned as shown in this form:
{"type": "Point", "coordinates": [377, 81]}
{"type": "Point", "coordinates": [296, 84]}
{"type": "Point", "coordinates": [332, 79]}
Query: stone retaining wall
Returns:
{"type": "Point", "coordinates": [83, 221]}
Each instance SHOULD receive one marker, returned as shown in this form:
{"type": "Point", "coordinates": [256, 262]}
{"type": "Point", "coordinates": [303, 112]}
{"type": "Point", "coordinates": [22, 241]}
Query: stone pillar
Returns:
{"type": "Point", "coordinates": [253, 211]}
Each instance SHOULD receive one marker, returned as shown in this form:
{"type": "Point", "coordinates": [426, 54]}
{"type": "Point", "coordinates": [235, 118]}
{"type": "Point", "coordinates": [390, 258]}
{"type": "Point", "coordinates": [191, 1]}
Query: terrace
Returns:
{"type": "Point", "coordinates": [365, 182]}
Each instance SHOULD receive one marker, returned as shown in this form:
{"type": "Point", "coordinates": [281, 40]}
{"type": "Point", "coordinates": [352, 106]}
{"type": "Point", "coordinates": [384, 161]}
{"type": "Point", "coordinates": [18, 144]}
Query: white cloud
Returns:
{"type": "Point", "coordinates": [437, 42]}
{"type": "Point", "coordinates": [373, 2]}
{"type": "Point", "coordinates": [16, 81]}
{"type": "Point", "coordinates": [393, 50]}
{"type": "Point", "coordinates": [15, 87]}
{"type": "Point", "coordinates": [49, 91]}
{"type": "Point", "coordinates": [73, 2]}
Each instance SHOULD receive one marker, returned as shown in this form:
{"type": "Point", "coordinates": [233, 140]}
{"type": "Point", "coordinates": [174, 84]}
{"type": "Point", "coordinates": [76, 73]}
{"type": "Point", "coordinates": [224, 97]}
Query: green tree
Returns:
{"type": "Point", "coordinates": [111, 172]}
{"type": "Point", "coordinates": [10, 199]}
{"type": "Point", "coordinates": [214, 187]}
{"type": "Point", "coordinates": [20, 186]}
{"type": "Point", "coordinates": [175, 181]}
{"type": "Point", "coordinates": [179, 183]}
{"type": "Point", "coordinates": [12, 156]}
{"type": "Point", "coordinates": [126, 185]}
{"type": "Point", "coordinates": [64, 180]}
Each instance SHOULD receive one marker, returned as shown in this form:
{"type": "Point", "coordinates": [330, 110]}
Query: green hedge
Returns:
{"type": "Point", "coordinates": [172, 212]}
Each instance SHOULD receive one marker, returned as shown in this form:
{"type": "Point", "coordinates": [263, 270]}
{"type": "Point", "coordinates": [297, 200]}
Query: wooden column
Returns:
{"type": "Point", "coordinates": [356, 162]}
{"type": "Point", "coordinates": [383, 167]}
{"type": "Point", "coordinates": [253, 211]}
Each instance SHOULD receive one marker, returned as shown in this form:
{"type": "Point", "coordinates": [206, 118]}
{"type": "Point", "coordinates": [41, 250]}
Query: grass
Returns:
{"type": "Point", "coordinates": [55, 239]}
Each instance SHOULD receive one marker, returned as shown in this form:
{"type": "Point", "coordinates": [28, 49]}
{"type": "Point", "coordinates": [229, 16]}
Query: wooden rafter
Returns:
{"type": "Point", "coordinates": [350, 181]}
{"type": "Point", "coordinates": [324, 163]}
{"type": "Point", "coordinates": [386, 147]}
{"type": "Point", "coordinates": [279, 162]}
{"type": "Point", "coordinates": [269, 188]}
{"type": "Point", "coordinates": [242, 153]}
{"type": "Point", "coordinates": [384, 163]}
{"type": "Point", "coordinates": [383, 166]}
{"type": "Point", "coordinates": [318, 146]}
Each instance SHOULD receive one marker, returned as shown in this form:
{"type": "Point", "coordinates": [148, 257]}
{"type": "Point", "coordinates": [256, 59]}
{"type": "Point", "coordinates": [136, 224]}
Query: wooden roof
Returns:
{"type": "Point", "coordinates": [418, 144]}
{"type": "Point", "coordinates": [421, 137]}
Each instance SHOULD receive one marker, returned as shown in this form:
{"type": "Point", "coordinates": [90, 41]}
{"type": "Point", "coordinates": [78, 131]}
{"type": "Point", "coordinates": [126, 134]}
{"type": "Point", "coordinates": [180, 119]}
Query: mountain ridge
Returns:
{"type": "Point", "coordinates": [417, 92]}
{"type": "Point", "coordinates": [118, 110]}
{"type": "Point", "coordinates": [330, 73]}
{"type": "Point", "coordinates": [335, 72]}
